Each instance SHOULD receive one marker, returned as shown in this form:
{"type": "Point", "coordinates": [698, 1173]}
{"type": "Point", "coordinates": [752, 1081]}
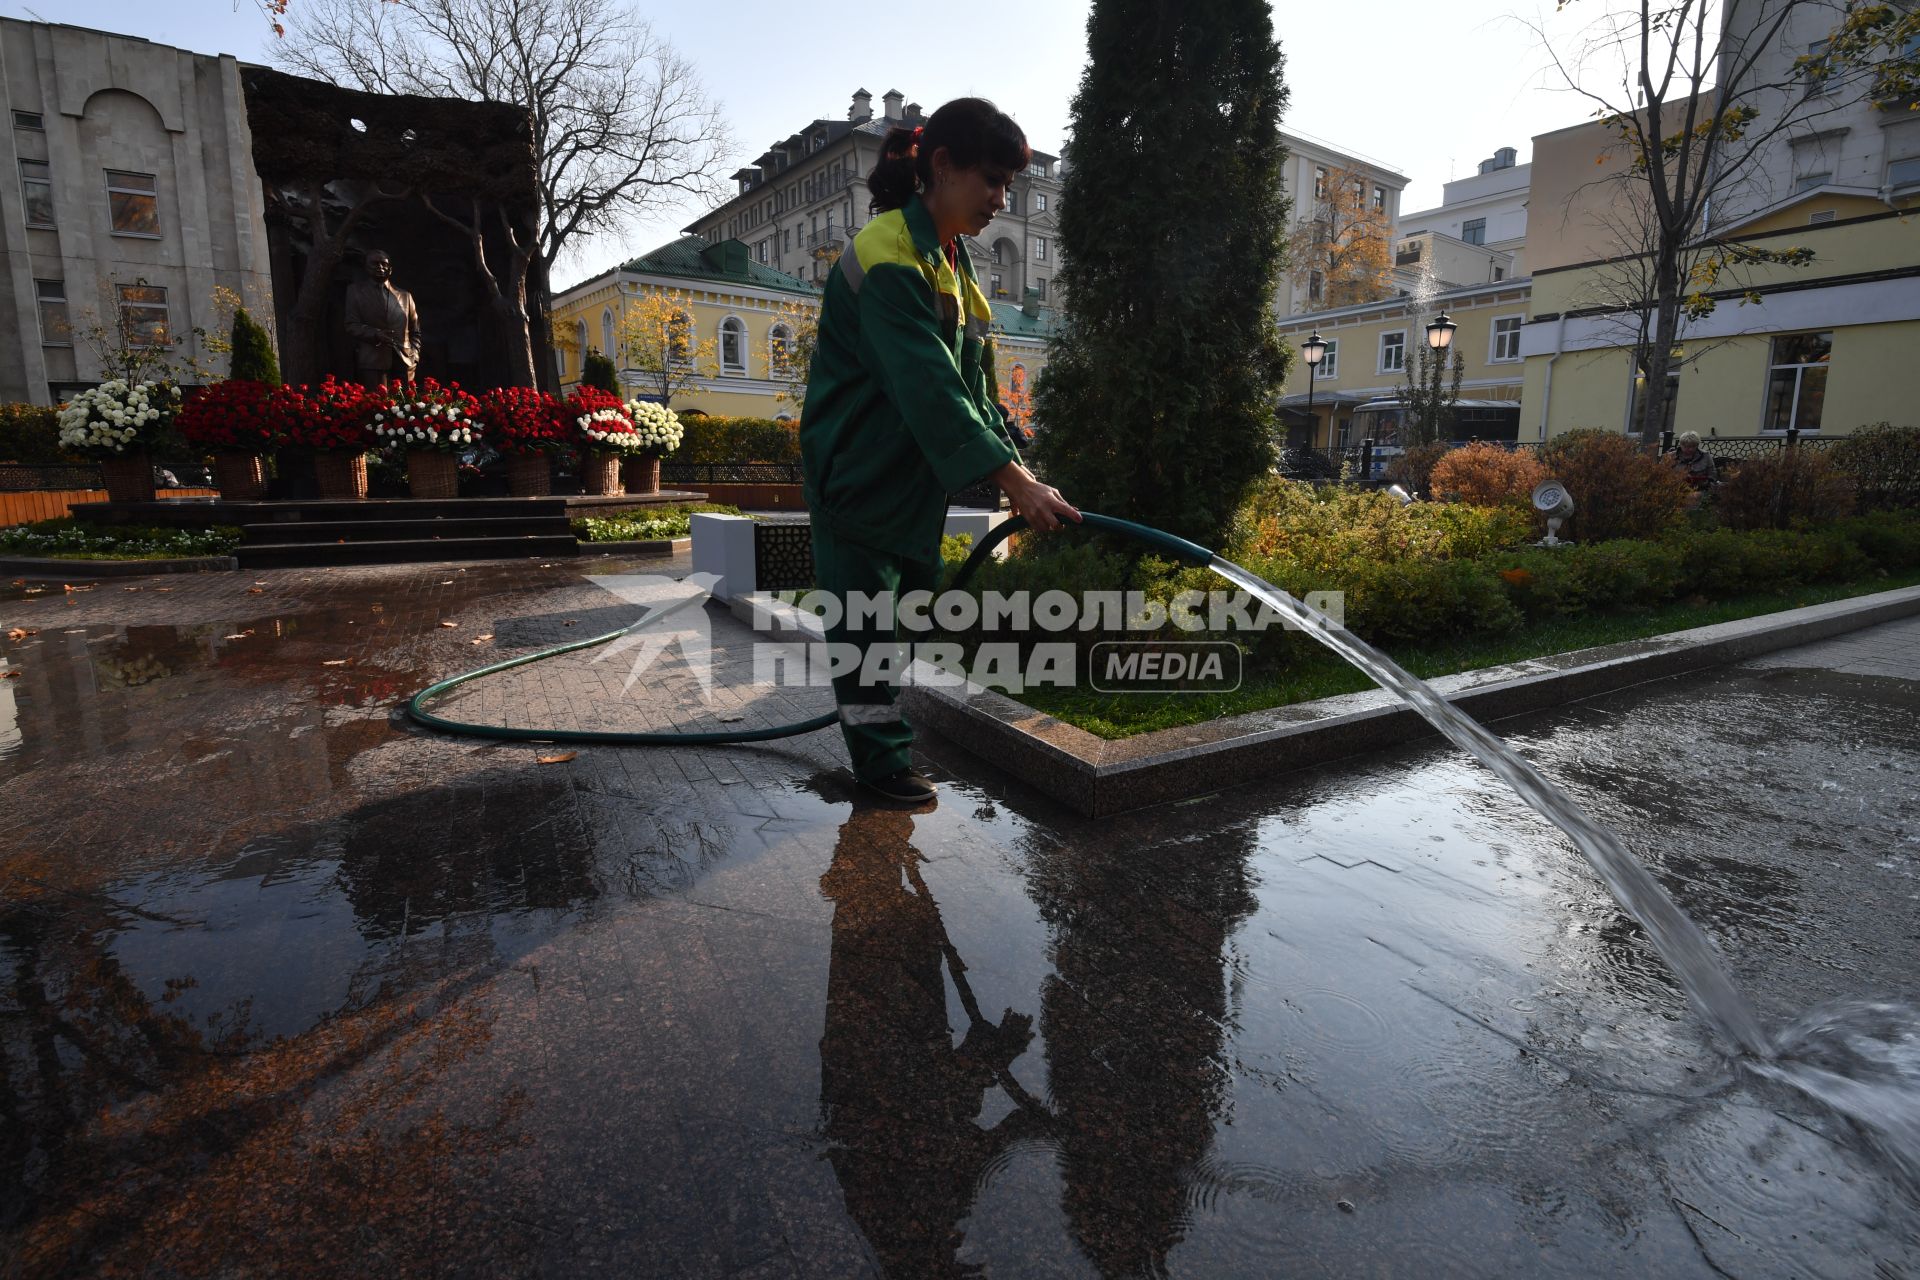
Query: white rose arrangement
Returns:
{"type": "Point", "coordinates": [118, 416]}
{"type": "Point", "coordinates": [658, 427]}
{"type": "Point", "coordinates": [609, 431]}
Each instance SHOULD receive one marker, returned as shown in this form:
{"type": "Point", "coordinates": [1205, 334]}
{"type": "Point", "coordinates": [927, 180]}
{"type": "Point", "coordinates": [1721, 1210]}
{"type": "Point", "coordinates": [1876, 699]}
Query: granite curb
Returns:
{"type": "Point", "coordinates": [638, 547]}
{"type": "Point", "coordinates": [1098, 777]}
{"type": "Point", "coordinates": [48, 567]}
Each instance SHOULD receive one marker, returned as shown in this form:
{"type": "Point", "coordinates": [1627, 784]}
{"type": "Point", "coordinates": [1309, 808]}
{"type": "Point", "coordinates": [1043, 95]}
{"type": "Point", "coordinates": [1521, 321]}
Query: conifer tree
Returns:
{"type": "Point", "coordinates": [598, 371]}
{"type": "Point", "coordinates": [1157, 403]}
{"type": "Point", "coordinates": [252, 359]}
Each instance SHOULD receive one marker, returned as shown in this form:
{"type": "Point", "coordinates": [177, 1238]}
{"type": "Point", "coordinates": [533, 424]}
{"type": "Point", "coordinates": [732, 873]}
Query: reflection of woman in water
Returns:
{"type": "Point", "coordinates": [899, 1100]}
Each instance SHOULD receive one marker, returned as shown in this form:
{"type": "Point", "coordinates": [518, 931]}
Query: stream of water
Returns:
{"type": "Point", "coordinates": [1862, 1059]}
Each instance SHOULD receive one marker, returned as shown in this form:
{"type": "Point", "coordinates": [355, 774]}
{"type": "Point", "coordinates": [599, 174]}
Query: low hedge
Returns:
{"type": "Point", "coordinates": [1395, 601]}
{"type": "Point", "coordinates": [30, 433]}
{"type": "Point", "coordinates": [737, 440]}
{"type": "Point", "coordinates": [648, 525]}
{"type": "Point", "coordinates": [69, 539]}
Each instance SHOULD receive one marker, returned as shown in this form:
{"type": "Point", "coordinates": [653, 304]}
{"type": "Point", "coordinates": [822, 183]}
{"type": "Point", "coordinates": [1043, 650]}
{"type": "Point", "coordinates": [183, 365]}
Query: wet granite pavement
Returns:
{"type": "Point", "coordinates": [290, 989]}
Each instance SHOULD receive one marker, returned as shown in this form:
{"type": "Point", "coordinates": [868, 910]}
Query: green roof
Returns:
{"type": "Point", "coordinates": [722, 262]}
{"type": "Point", "coordinates": [1009, 319]}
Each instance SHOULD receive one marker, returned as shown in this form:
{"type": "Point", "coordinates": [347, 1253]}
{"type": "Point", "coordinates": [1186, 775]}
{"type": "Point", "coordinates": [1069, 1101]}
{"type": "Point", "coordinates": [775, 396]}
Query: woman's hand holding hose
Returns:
{"type": "Point", "coordinates": [1040, 503]}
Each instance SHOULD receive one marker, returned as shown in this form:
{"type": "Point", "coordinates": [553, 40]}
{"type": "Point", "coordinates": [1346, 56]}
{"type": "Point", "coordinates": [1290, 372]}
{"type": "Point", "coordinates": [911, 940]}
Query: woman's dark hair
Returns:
{"type": "Point", "coordinates": [974, 132]}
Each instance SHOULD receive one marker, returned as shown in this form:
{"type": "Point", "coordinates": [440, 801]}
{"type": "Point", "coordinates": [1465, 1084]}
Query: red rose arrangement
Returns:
{"type": "Point", "coordinates": [601, 422]}
{"type": "Point", "coordinates": [332, 416]}
{"type": "Point", "coordinates": [230, 415]}
{"type": "Point", "coordinates": [524, 420]}
{"type": "Point", "coordinates": [423, 415]}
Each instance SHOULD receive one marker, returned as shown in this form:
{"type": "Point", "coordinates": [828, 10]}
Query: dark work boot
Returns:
{"type": "Point", "coordinates": [903, 786]}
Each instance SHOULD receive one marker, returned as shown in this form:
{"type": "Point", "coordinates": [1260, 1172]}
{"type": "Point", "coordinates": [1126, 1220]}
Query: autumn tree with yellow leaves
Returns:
{"type": "Point", "coordinates": [660, 349]}
{"type": "Point", "coordinates": [1339, 251]}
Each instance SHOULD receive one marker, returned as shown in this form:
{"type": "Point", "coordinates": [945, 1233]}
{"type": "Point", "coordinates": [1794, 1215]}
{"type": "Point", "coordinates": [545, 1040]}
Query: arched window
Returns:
{"type": "Point", "coordinates": [733, 345]}
{"type": "Point", "coordinates": [606, 333]}
{"type": "Point", "coordinates": [680, 337]}
{"type": "Point", "coordinates": [780, 350]}
{"type": "Point", "coordinates": [580, 345]}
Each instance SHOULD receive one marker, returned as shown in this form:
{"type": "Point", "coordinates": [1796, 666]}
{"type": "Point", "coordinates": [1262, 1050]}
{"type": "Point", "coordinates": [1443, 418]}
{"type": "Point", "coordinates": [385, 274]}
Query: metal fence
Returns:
{"type": "Point", "coordinates": [1368, 459]}
{"type": "Point", "coordinates": [730, 473]}
{"type": "Point", "coordinates": [23, 477]}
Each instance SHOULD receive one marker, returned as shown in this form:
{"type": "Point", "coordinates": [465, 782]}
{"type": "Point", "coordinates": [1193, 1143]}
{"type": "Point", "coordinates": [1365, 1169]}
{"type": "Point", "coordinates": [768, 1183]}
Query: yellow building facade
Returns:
{"type": "Point", "coordinates": [744, 311]}
{"type": "Point", "coordinates": [1822, 348]}
{"type": "Point", "coordinates": [1357, 387]}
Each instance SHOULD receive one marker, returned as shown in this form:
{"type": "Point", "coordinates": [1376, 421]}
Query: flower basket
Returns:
{"type": "Point", "coordinates": [640, 473]}
{"type": "Point", "coordinates": [240, 477]}
{"type": "Point", "coordinates": [432, 474]}
{"type": "Point", "coordinates": [232, 417]}
{"type": "Point", "coordinates": [529, 475]}
{"type": "Point", "coordinates": [128, 477]}
{"type": "Point", "coordinates": [657, 426]}
{"type": "Point", "coordinates": [424, 416]}
{"type": "Point", "coordinates": [329, 418]}
{"type": "Point", "coordinates": [338, 474]}
{"type": "Point", "coordinates": [600, 473]}
{"type": "Point", "coordinates": [523, 420]}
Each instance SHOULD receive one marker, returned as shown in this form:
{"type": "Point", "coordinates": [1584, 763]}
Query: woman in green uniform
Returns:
{"type": "Point", "coordinates": [901, 408]}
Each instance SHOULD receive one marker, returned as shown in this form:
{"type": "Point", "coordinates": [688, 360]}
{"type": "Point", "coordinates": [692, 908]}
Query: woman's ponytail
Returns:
{"type": "Point", "coordinates": [974, 132]}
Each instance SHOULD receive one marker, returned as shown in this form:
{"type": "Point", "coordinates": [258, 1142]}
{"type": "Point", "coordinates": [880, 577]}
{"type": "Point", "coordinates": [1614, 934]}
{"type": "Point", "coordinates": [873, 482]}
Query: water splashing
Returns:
{"type": "Point", "coordinates": [1861, 1059]}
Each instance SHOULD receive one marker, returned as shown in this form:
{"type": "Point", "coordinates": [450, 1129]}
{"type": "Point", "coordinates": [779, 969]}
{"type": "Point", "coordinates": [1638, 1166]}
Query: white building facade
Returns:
{"type": "Point", "coordinates": [130, 198]}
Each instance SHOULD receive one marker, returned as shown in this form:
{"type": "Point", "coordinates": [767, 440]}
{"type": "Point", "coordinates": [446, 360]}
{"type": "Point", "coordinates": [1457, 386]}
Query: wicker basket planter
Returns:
{"type": "Point", "coordinates": [340, 475]}
{"type": "Point", "coordinates": [641, 473]}
{"type": "Point", "coordinates": [432, 474]}
{"type": "Point", "coordinates": [128, 477]}
{"type": "Point", "coordinates": [529, 475]}
{"type": "Point", "coordinates": [600, 474]}
{"type": "Point", "coordinates": [240, 477]}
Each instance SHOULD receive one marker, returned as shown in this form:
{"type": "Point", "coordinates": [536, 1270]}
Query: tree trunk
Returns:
{"type": "Point", "coordinates": [539, 305]}
{"type": "Point", "coordinates": [1657, 357]}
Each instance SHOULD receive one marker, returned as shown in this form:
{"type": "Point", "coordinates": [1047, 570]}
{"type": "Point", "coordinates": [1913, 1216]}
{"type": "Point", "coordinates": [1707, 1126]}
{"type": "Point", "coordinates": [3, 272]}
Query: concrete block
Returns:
{"type": "Point", "coordinates": [723, 547]}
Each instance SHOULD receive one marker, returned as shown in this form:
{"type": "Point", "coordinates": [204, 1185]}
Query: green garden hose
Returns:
{"type": "Point", "coordinates": [417, 711]}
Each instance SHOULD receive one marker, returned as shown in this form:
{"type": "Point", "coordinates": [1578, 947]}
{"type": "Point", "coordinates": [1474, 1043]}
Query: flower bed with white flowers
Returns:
{"type": "Point", "coordinates": [657, 426]}
{"type": "Point", "coordinates": [118, 417]}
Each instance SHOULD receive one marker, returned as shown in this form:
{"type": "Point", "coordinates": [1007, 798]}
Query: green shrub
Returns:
{"type": "Point", "coordinates": [1884, 461]}
{"type": "Point", "coordinates": [69, 539]}
{"type": "Point", "coordinates": [1618, 490]}
{"type": "Point", "coordinates": [738, 440]}
{"type": "Point", "coordinates": [1413, 469]}
{"type": "Point", "coordinates": [1486, 475]}
{"type": "Point", "coordinates": [253, 359]}
{"type": "Point", "coordinates": [649, 525]}
{"type": "Point", "coordinates": [30, 433]}
{"type": "Point", "coordinates": [598, 371]}
{"type": "Point", "coordinates": [1891, 544]}
{"type": "Point", "coordinates": [1786, 487]}
{"type": "Point", "coordinates": [1328, 525]}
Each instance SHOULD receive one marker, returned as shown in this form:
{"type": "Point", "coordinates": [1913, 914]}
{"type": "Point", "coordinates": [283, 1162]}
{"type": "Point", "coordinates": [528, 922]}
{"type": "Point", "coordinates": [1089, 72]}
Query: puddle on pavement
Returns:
{"type": "Point", "coordinates": [1366, 1014]}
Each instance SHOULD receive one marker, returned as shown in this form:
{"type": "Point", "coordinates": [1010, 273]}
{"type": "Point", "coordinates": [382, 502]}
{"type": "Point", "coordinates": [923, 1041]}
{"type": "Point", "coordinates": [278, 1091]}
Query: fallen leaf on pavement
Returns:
{"type": "Point", "coordinates": [259, 582]}
{"type": "Point", "coordinates": [34, 591]}
{"type": "Point", "coordinates": [17, 634]}
{"type": "Point", "coordinates": [255, 591]}
{"type": "Point", "coordinates": [129, 588]}
{"type": "Point", "coordinates": [334, 662]}
{"type": "Point", "coordinates": [238, 636]}
{"type": "Point", "coordinates": [85, 586]}
{"type": "Point", "coordinates": [481, 639]}
{"type": "Point", "coordinates": [449, 624]}
{"type": "Point", "coordinates": [9, 674]}
{"type": "Point", "coordinates": [446, 582]}
{"type": "Point", "coordinates": [562, 758]}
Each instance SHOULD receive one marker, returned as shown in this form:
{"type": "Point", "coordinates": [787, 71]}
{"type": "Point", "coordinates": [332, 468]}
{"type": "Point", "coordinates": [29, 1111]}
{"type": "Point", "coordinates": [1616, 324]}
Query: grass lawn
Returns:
{"type": "Point", "coordinates": [1322, 674]}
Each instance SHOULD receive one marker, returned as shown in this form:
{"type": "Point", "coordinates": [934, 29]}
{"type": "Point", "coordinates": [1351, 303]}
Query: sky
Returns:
{"type": "Point", "coordinates": [1426, 89]}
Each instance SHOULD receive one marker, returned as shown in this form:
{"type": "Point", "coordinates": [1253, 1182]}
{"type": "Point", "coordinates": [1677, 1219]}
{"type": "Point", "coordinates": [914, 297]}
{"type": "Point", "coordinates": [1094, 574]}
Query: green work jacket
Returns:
{"type": "Point", "coordinates": [900, 409]}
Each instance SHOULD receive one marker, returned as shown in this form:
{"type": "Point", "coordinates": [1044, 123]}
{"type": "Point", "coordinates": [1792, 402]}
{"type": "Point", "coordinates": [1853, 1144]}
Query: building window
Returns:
{"type": "Point", "coordinates": [134, 203]}
{"type": "Point", "coordinates": [780, 350]}
{"type": "Point", "coordinates": [606, 332]}
{"type": "Point", "coordinates": [1393, 351]}
{"type": "Point", "coordinates": [733, 345]}
{"type": "Point", "coordinates": [1039, 248]}
{"type": "Point", "coordinates": [55, 329]}
{"type": "Point", "coordinates": [999, 253]}
{"type": "Point", "coordinates": [143, 314]}
{"type": "Point", "coordinates": [1797, 381]}
{"type": "Point", "coordinates": [1013, 200]}
{"type": "Point", "coordinates": [1811, 181]}
{"type": "Point", "coordinates": [1814, 69]}
{"type": "Point", "coordinates": [1319, 182]}
{"type": "Point", "coordinates": [1904, 173]}
{"type": "Point", "coordinates": [1474, 231]}
{"type": "Point", "coordinates": [1039, 202]}
{"type": "Point", "coordinates": [1040, 287]}
{"type": "Point", "coordinates": [680, 338]}
{"type": "Point", "coordinates": [1380, 199]}
{"type": "Point", "coordinates": [1316, 286]}
{"type": "Point", "coordinates": [1330, 362]}
{"type": "Point", "coordinates": [1036, 170]}
{"type": "Point", "coordinates": [1499, 274]}
{"type": "Point", "coordinates": [580, 344]}
{"type": "Point", "coordinates": [1506, 338]}
{"type": "Point", "coordinates": [36, 189]}
{"type": "Point", "coordinates": [762, 247]}
{"type": "Point", "coordinates": [996, 287]}
{"type": "Point", "coordinates": [28, 120]}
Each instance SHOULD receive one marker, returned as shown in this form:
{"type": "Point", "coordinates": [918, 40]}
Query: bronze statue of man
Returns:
{"type": "Point", "coordinates": [383, 324]}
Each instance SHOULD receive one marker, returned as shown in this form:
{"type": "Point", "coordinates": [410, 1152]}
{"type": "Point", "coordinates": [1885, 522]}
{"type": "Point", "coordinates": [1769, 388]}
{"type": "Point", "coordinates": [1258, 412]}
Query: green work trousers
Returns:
{"type": "Point", "coordinates": [878, 736]}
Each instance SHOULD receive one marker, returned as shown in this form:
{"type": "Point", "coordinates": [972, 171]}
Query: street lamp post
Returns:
{"type": "Point", "coordinates": [1313, 351]}
{"type": "Point", "coordinates": [1440, 332]}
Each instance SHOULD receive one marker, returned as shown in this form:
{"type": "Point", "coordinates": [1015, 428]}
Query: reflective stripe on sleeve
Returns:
{"type": "Point", "coordinates": [850, 267]}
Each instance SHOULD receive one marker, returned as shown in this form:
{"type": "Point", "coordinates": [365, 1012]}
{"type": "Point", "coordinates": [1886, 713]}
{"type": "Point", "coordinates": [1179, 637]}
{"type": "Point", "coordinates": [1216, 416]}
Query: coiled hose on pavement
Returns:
{"type": "Point", "coordinates": [1159, 539]}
